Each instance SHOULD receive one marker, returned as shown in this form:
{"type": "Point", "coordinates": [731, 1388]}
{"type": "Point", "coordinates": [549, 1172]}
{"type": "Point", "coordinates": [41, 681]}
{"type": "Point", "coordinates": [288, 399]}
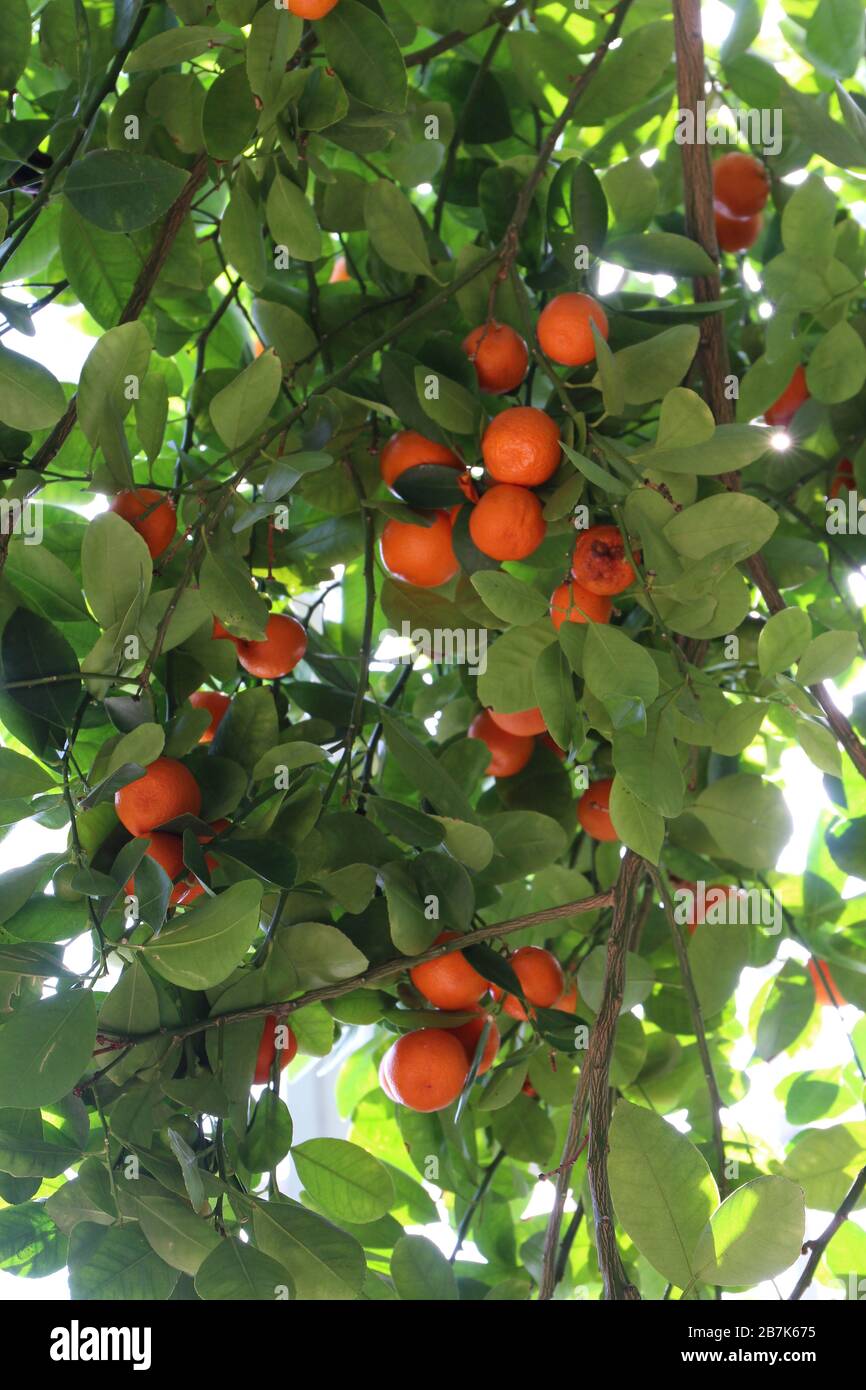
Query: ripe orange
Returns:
{"type": "Point", "coordinates": [735, 233]}
{"type": "Point", "coordinates": [218, 631]}
{"type": "Point", "coordinates": [468, 1035]}
{"type": "Point", "coordinates": [217, 706]}
{"type": "Point", "coordinates": [741, 184]}
{"type": "Point", "coordinates": [166, 790]}
{"type": "Point", "coordinates": [449, 982]}
{"type": "Point", "coordinates": [284, 644]}
{"type": "Point", "coordinates": [826, 989]}
{"type": "Point", "coordinates": [599, 562]}
{"type": "Point", "coordinates": [843, 478]}
{"type": "Point", "coordinates": [567, 1002]}
{"type": "Point", "coordinates": [782, 411]}
{"type": "Point", "coordinates": [529, 1090]}
{"type": "Point", "coordinates": [151, 514]}
{"type": "Point", "coordinates": [421, 555]}
{"type": "Point", "coordinates": [593, 812]}
{"type": "Point", "coordinates": [425, 1070]}
{"type": "Point", "coordinates": [509, 753]}
{"type": "Point", "coordinates": [571, 602]}
{"type": "Point", "coordinates": [564, 331]}
{"type": "Point", "coordinates": [500, 357]}
{"type": "Point", "coordinates": [268, 1051]}
{"type": "Point", "coordinates": [554, 747]}
{"type": "Point", "coordinates": [217, 826]}
{"type": "Point", "coordinates": [407, 449]}
{"type": "Point", "coordinates": [311, 9]}
{"type": "Point", "coordinates": [507, 523]}
{"type": "Point", "coordinates": [167, 851]}
{"type": "Point", "coordinates": [541, 979]}
{"type": "Point", "coordinates": [339, 271]}
{"type": "Point", "coordinates": [521, 446]}
{"type": "Point", "coordinates": [525, 721]}
{"type": "Point", "coordinates": [713, 899]}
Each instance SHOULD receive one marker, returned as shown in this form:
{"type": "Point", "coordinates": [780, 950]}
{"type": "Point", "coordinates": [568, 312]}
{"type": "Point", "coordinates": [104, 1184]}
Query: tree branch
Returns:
{"type": "Point", "coordinates": [820, 1245]}
{"type": "Point", "coordinates": [456, 37]}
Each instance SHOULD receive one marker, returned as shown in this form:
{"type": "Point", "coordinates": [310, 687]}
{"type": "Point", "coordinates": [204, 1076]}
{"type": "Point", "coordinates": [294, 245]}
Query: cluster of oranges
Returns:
{"type": "Point", "coordinates": [427, 1069]}
{"type": "Point", "coordinates": [741, 187]}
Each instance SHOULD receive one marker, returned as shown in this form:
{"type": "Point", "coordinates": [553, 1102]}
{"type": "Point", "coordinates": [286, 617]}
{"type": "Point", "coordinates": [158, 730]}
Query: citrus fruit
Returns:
{"type": "Point", "coordinates": [149, 513]}
{"type": "Point", "coordinates": [268, 1050]}
{"type": "Point", "coordinates": [570, 602]}
{"type": "Point", "coordinates": [593, 812]}
{"type": "Point", "coordinates": [740, 183]}
{"type": "Point", "coordinates": [553, 746]}
{"type": "Point", "coordinates": [509, 753]}
{"type": "Point", "coordinates": [449, 982]}
{"type": "Point", "coordinates": [521, 446]}
{"type": "Point", "coordinates": [735, 234]}
{"type": "Point", "coordinates": [311, 9]}
{"type": "Point", "coordinates": [420, 555]}
{"type": "Point", "coordinates": [782, 411]}
{"type": "Point", "coordinates": [599, 563]}
{"type": "Point", "coordinates": [541, 979]}
{"type": "Point", "coordinates": [507, 523]}
{"type": "Point", "coordinates": [564, 332]}
{"type": "Point", "coordinates": [843, 478]}
{"type": "Point", "coordinates": [339, 271]}
{"type": "Point", "coordinates": [216, 705]}
{"type": "Point", "coordinates": [408, 449]}
{"type": "Point", "coordinates": [219, 632]}
{"type": "Point", "coordinates": [468, 1035]}
{"type": "Point", "coordinates": [525, 721]}
{"type": "Point", "coordinates": [165, 791]}
{"type": "Point", "coordinates": [826, 989]}
{"type": "Point", "coordinates": [499, 355]}
{"type": "Point", "coordinates": [567, 1002]}
{"type": "Point", "coordinates": [284, 644]}
{"type": "Point", "coordinates": [167, 851]}
{"type": "Point", "coordinates": [425, 1070]}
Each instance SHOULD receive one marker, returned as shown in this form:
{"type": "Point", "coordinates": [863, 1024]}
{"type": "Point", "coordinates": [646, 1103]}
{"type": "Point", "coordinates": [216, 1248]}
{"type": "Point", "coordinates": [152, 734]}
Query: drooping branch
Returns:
{"type": "Point", "coordinates": [817, 1247]}
{"type": "Point", "coordinates": [502, 16]}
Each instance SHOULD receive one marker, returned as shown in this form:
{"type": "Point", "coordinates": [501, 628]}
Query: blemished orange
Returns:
{"type": "Point", "coordinates": [408, 449]}
{"type": "Point", "coordinates": [525, 721]}
{"type": "Point", "coordinates": [284, 644]}
{"type": "Point", "coordinates": [541, 979]}
{"type": "Point", "coordinates": [339, 271]}
{"type": "Point", "coordinates": [509, 753]}
{"type": "Point", "coordinates": [425, 1070]}
{"type": "Point", "coordinates": [165, 791]}
{"type": "Point", "coordinates": [507, 522]}
{"type": "Point", "coordinates": [499, 355]}
{"type": "Point", "coordinates": [735, 234]}
{"type": "Point", "coordinates": [167, 851]}
{"type": "Point", "coordinates": [843, 478]}
{"type": "Point", "coordinates": [564, 331]}
{"type": "Point", "coordinates": [151, 514]}
{"type": "Point", "coordinates": [740, 183]}
{"type": "Point", "coordinates": [570, 602]}
{"type": "Point", "coordinates": [593, 810]}
{"type": "Point", "coordinates": [449, 982]}
{"type": "Point", "coordinates": [599, 563]}
{"type": "Point", "coordinates": [469, 1034]}
{"type": "Point", "coordinates": [826, 989]}
{"type": "Point", "coordinates": [782, 411]}
{"type": "Point", "coordinates": [420, 555]}
{"type": "Point", "coordinates": [311, 9]}
{"type": "Point", "coordinates": [521, 446]}
{"type": "Point", "coordinates": [268, 1050]}
{"type": "Point", "coordinates": [216, 705]}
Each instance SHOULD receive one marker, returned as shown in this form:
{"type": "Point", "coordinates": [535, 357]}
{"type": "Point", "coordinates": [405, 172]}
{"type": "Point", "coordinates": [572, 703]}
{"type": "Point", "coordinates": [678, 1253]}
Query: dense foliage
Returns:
{"type": "Point", "coordinates": [278, 234]}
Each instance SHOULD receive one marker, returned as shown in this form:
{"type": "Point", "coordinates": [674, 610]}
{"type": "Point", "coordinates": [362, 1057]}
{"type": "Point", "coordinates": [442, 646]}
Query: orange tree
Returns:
{"type": "Point", "coordinates": [380, 351]}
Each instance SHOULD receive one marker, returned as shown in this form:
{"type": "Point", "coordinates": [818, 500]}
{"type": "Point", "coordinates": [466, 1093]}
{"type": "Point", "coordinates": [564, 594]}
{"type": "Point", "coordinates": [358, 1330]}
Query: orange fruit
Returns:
{"type": "Point", "coordinates": [553, 746]}
{"type": "Point", "coordinates": [599, 562]}
{"type": "Point", "coordinates": [311, 9]}
{"type": "Point", "coordinates": [339, 271]}
{"type": "Point", "coordinates": [216, 704]}
{"type": "Point", "coordinates": [843, 478]}
{"type": "Point", "coordinates": [741, 184]}
{"type": "Point", "coordinates": [284, 644]}
{"type": "Point", "coordinates": [421, 555]}
{"type": "Point", "coordinates": [572, 603]}
{"type": "Point", "coordinates": [151, 514]}
{"type": "Point", "coordinates": [529, 1090]}
{"type": "Point", "coordinates": [564, 332]}
{"type": "Point", "coordinates": [449, 982]}
{"type": "Point", "coordinates": [541, 979]}
{"type": "Point", "coordinates": [468, 1035]}
{"type": "Point", "coordinates": [525, 721]}
{"type": "Point", "coordinates": [509, 753]}
{"type": "Point", "coordinates": [826, 989]}
{"type": "Point", "coordinates": [593, 812]}
{"type": "Point", "coordinates": [521, 446]}
{"type": "Point", "coordinates": [217, 826]}
{"type": "Point", "coordinates": [782, 411]}
{"type": "Point", "coordinates": [268, 1051]}
{"type": "Point", "coordinates": [735, 233]}
{"type": "Point", "coordinates": [407, 449]}
{"type": "Point", "coordinates": [567, 1002]}
{"type": "Point", "coordinates": [500, 357]}
{"type": "Point", "coordinates": [165, 791]}
{"type": "Point", "coordinates": [507, 523]}
{"type": "Point", "coordinates": [167, 851]}
{"type": "Point", "coordinates": [425, 1070]}
{"type": "Point", "coordinates": [218, 631]}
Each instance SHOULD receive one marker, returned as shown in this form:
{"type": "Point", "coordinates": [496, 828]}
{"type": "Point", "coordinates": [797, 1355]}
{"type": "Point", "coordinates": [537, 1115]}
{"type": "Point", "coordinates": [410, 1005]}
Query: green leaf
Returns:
{"type": "Point", "coordinates": [659, 253]}
{"type": "Point", "coordinates": [649, 765]}
{"type": "Point", "coordinates": [176, 45]}
{"type": "Point", "coordinates": [211, 939]}
{"type": "Point", "coordinates": [663, 1191]}
{"type": "Point", "coordinates": [651, 368]}
{"type": "Point", "coordinates": [639, 979]}
{"type": "Point", "coordinates": [291, 220]}
{"type": "Point", "coordinates": [116, 1263]}
{"type": "Point", "coordinates": [837, 368]}
{"type": "Point", "coordinates": [637, 825]}
{"type": "Point", "coordinates": [274, 38]}
{"type": "Point", "coordinates": [119, 358]}
{"type": "Point", "coordinates": [116, 569]}
{"type": "Point", "coordinates": [178, 1234]}
{"type": "Point", "coordinates": [784, 637]}
{"type": "Point", "coordinates": [511, 599]}
{"type": "Point", "coordinates": [393, 225]}
{"type": "Point", "coordinates": [756, 1234]}
{"type": "Point", "coordinates": [554, 692]}
{"type": "Point", "coordinates": [324, 1262]}
{"type": "Point", "coordinates": [411, 930]}
{"type": "Point", "coordinates": [122, 192]}
{"type": "Point", "coordinates": [30, 1244]}
{"type": "Point", "coordinates": [729, 519]}
{"type": "Point", "coordinates": [30, 397]}
{"type": "Point", "coordinates": [731, 447]}
{"type": "Point", "coordinates": [421, 1272]}
{"type": "Point", "coordinates": [447, 402]}
{"type": "Point", "coordinates": [826, 657]}
{"type": "Point", "coordinates": [747, 817]}
{"type": "Point", "coordinates": [594, 472]}
{"type": "Point", "coordinates": [31, 651]}
{"type": "Point", "coordinates": [242, 407]}
{"type": "Point", "coordinates": [20, 776]}
{"type": "Point", "coordinates": [834, 37]}
{"type": "Point", "coordinates": [365, 55]}
{"type": "Point", "coordinates": [14, 43]}
{"type": "Point", "coordinates": [423, 770]}
{"type": "Point", "coordinates": [615, 665]}
{"type": "Point", "coordinates": [237, 1272]}
{"type": "Point", "coordinates": [269, 1137]}
{"type": "Point", "coordinates": [344, 1179]}
{"type": "Point", "coordinates": [45, 1048]}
